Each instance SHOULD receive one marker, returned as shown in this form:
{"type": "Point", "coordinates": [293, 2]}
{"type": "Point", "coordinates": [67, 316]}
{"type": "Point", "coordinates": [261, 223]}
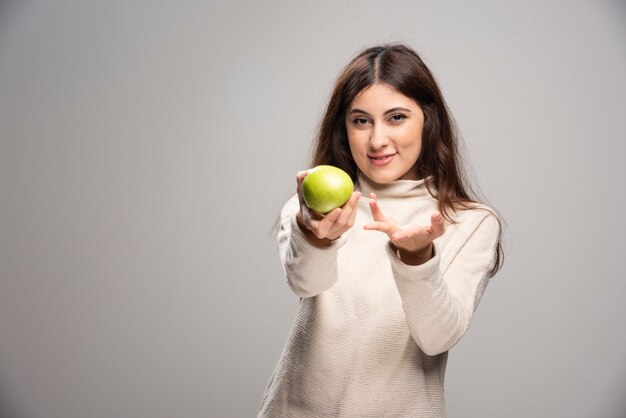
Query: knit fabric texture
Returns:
{"type": "Point", "coordinates": [372, 334]}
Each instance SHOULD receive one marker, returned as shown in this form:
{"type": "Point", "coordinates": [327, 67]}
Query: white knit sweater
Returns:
{"type": "Point", "coordinates": [372, 334]}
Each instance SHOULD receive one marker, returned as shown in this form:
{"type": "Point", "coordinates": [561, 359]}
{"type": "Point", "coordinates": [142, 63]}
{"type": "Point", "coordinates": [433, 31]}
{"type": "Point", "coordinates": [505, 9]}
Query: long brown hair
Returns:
{"type": "Point", "coordinates": [401, 68]}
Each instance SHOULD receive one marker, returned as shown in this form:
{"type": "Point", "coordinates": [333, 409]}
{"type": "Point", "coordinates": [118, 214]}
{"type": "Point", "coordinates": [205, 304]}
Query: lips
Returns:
{"type": "Point", "coordinates": [381, 159]}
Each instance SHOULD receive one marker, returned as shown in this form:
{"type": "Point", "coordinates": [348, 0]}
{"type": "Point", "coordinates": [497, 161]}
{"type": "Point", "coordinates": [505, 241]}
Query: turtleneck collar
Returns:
{"type": "Point", "coordinates": [398, 188]}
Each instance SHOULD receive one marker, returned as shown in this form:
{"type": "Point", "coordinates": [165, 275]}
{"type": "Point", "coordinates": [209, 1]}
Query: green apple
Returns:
{"type": "Point", "coordinates": [326, 188]}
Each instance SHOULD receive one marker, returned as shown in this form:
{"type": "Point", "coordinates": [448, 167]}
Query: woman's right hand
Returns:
{"type": "Point", "coordinates": [323, 229]}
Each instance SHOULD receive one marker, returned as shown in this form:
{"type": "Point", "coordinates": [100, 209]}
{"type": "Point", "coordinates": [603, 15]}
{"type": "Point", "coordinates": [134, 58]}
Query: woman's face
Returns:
{"type": "Point", "coordinates": [385, 133]}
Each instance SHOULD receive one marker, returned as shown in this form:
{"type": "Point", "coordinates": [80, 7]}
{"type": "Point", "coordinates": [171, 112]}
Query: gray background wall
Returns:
{"type": "Point", "coordinates": [147, 147]}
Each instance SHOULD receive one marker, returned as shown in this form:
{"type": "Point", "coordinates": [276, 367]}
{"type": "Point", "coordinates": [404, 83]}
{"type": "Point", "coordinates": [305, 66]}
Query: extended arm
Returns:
{"type": "Point", "coordinates": [439, 306]}
{"type": "Point", "coordinates": [310, 269]}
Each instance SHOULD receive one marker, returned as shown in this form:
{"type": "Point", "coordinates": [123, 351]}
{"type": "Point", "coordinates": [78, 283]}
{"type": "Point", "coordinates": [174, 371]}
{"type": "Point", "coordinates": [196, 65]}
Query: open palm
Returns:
{"type": "Point", "coordinates": [410, 238]}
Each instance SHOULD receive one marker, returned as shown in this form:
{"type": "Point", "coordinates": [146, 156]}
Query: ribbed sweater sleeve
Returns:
{"type": "Point", "coordinates": [310, 270]}
{"type": "Point", "coordinates": [439, 305]}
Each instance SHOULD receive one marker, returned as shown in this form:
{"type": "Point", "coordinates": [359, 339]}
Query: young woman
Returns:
{"type": "Point", "coordinates": [388, 282]}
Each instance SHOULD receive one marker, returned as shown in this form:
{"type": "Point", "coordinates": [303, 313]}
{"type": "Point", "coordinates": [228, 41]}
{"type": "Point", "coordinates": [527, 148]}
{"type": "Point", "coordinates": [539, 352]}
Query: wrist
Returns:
{"type": "Point", "coordinates": [414, 258]}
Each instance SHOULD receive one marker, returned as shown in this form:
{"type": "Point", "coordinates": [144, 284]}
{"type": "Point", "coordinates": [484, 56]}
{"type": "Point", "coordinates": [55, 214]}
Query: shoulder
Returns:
{"type": "Point", "coordinates": [291, 206]}
{"type": "Point", "coordinates": [478, 217]}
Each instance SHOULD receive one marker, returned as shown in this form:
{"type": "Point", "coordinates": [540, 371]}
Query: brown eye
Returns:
{"type": "Point", "coordinates": [398, 117]}
{"type": "Point", "coordinates": [359, 121]}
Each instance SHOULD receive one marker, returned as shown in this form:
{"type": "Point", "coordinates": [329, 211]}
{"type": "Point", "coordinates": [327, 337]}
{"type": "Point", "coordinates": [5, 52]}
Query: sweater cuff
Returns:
{"type": "Point", "coordinates": [426, 271]}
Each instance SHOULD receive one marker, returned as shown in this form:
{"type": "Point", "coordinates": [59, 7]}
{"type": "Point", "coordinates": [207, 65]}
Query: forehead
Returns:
{"type": "Point", "coordinates": [381, 96]}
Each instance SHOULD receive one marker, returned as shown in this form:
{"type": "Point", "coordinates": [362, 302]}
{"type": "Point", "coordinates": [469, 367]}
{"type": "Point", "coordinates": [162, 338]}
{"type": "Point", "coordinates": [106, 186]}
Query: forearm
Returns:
{"type": "Point", "coordinates": [310, 269]}
{"type": "Point", "coordinates": [435, 318]}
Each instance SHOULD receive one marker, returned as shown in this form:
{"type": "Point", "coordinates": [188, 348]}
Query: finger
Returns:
{"type": "Point", "coordinates": [349, 209]}
{"type": "Point", "coordinates": [377, 213]}
{"type": "Point", "coordinates": [408, 231]}
{"type": "Point", "coordinates": [299, 178]}
{"type": "Point", "coordinates": [353, 214]}
{"type": "Point", "coordinates": [354, 199]}
{"type": "Point", "coordinates": [326, 224]}
{"type": "Point", "coordinates": [437, 226]}
{"type": "Point", "coordinates": [301, 175]}
{"type": "Point", "coordinates": [314, 226]}
{"type": "Point", "coordinates": [385, 227]}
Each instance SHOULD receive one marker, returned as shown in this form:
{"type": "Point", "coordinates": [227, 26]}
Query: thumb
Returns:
{"type": "Point", "coordinates": [437, 225]}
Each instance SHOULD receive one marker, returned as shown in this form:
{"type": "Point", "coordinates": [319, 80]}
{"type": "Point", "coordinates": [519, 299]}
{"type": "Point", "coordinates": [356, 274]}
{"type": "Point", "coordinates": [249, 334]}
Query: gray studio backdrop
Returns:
{"type": "Point", "coordinates": [148, 146]}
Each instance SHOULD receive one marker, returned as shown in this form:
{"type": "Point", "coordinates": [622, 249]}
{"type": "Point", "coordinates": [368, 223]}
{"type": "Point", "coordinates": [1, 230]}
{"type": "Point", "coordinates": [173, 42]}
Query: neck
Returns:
{"type": "Point", "coordinates": [397, 188]}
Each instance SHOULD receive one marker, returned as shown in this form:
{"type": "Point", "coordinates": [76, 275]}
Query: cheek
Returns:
{"type": "Point", "coordinates": [350, 141]}
{"type": "Point", "coordinates": [356, 141]}
{"type": "Point", "coordinates": [412, 137]}
{"type": "Point", "coordinates": [354, 148]}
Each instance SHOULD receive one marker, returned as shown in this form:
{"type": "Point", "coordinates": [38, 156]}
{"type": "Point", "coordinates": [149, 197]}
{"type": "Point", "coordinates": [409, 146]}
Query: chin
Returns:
{"type": "Point", "coordinates": [382, 178]}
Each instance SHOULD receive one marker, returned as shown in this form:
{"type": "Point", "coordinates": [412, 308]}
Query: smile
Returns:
{"type": "Point", "coordinates": [380, 160]}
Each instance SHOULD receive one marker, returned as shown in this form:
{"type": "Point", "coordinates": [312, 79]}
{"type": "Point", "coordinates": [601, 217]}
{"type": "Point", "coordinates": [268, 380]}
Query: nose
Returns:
{"type": "Point", "coordinates": [378, 138]}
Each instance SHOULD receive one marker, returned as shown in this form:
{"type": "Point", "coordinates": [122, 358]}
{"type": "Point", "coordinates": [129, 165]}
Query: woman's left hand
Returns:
{"type": "Point", "coordinates": [415, 242]}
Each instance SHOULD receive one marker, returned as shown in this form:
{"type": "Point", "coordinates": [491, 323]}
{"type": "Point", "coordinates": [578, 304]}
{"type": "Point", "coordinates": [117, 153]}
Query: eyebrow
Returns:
{"type": "Point", "coordinates": [394, 109]}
